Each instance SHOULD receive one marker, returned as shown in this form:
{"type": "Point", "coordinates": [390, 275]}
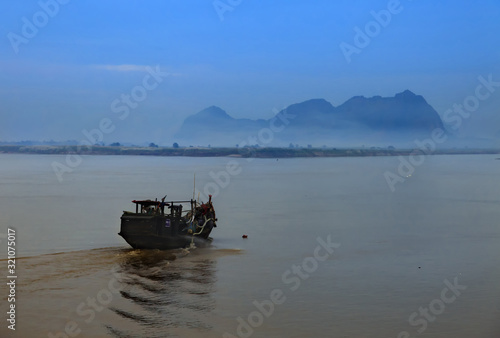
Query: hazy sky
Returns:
{"type": "Point", "coordinates": [66, 66]}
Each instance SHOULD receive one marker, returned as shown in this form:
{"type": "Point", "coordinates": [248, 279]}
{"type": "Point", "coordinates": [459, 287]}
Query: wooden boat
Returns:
{"type": "Point", "coordinates": [165, 225]}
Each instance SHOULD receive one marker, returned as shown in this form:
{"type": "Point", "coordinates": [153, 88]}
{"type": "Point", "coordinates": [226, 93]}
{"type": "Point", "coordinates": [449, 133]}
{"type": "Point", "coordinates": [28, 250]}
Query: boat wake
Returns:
{"type": "Point", "coordinates": [119, 291]}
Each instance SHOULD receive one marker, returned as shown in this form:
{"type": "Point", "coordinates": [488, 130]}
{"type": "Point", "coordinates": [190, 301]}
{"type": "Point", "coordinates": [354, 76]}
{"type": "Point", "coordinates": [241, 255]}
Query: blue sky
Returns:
{"type": "Point", "coordinates": [261, 57]}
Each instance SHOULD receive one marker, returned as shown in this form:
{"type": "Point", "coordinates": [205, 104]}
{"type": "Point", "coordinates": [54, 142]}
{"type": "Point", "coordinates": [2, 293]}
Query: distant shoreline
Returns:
{"type": "Point", "coordinates": [268, 152]}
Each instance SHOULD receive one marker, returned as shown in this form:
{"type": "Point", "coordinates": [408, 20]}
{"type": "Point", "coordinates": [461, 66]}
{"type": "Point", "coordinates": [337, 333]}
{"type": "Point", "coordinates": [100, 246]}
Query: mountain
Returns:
{"type": "Point", "coordinates": [215, 117]}
{"type": "Point", "coordinates": [405, 111]}
{"type": "Point", "coordinates": [360, 120]}
{"type": "Point", "coordinates": [214, 126]}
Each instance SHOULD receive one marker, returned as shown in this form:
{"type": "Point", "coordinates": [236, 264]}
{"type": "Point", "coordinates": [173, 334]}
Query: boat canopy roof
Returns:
{"type": "Point", "coordinates": [155, 203]}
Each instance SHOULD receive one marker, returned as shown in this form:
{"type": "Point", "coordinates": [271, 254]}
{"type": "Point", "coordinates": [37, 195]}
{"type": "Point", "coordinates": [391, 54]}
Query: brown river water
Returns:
{"type": "Point", "coordinates": [331, 251]}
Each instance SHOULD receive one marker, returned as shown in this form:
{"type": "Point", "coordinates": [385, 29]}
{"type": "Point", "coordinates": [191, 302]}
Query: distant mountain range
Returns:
{"type": "Point", "coordinates": [359, 121]}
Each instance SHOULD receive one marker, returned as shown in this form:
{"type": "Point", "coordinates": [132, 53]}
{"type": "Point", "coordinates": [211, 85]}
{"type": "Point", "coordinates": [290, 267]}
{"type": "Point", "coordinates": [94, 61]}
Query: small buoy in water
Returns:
{"type": "Point", "coordinates": [419, 267]}
{"type": "Point", "coordinates": [244, 236]}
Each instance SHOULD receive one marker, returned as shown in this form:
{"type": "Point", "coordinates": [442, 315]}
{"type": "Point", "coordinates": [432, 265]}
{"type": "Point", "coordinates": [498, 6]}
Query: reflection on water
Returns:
{"type": "Point", "coordinates": [116, 292]}
{"type": "Point", "coordinates": [162, 292]}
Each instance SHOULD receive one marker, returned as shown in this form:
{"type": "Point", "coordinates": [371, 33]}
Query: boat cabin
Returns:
{"type": "Point", "coordinates": [156, 207]}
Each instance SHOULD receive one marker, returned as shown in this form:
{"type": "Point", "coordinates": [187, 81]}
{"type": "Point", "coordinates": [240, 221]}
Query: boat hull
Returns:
{"type": "Point", "coordinates": [163, 243]}
{"type": "Point", "coordinates": [162, 232]}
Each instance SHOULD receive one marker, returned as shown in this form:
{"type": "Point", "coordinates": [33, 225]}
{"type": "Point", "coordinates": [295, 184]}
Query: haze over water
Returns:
{"type": "Point", "coordinates": [397, 251]}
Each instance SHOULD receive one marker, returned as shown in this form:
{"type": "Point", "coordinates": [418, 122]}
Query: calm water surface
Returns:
{"type": "Point", "coordinates": [390, 274]}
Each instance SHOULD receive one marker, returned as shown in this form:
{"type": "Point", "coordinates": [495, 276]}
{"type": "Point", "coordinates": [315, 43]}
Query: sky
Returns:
{"type": "Point", "coordinates": [67, 67]}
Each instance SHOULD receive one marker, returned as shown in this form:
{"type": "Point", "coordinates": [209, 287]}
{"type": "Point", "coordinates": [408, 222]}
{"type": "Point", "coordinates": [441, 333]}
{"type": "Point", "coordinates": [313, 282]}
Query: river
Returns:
{"type": "Point", "coordinates": [332, 250]}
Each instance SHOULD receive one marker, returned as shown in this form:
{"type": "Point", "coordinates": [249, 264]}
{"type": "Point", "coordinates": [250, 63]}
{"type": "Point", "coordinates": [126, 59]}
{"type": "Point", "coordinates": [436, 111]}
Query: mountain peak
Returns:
{"type": "Point", "coordinates": [316, 101]}
{"type": "Point", "coordinates": [407, 94]}
{"type": "Point", "coordinates": [313, 105]}
{"type": "Point", "coordinates": [213, 111]}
